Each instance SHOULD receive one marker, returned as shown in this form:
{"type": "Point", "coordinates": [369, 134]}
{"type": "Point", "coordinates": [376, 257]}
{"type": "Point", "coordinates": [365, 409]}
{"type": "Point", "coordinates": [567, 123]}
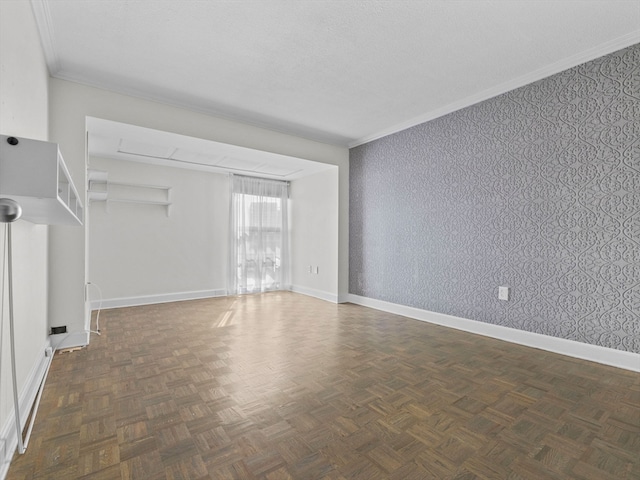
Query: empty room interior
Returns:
{"type": "Point", "coordinates": [320, 239]}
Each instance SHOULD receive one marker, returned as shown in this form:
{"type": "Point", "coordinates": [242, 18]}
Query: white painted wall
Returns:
{"type": "Point", "coordinates": [137, 251]}
{"type": "Point", "coordinates": [71, 103]}
{"type": "Point", "coordinates": [139, 255]}
{"type": "Point", "coordinates": [315, 235]}
{"type": "Point", "coordinates": [23, 113]}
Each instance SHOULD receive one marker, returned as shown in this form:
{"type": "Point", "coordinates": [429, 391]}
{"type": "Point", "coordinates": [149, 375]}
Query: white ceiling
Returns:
{"type": "Point", "coordinates": [337, 71]}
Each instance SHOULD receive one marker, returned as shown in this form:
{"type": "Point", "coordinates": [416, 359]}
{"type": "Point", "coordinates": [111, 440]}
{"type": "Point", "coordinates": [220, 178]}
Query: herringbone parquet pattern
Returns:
{"type": "Point", "coordinates": [282, 386]}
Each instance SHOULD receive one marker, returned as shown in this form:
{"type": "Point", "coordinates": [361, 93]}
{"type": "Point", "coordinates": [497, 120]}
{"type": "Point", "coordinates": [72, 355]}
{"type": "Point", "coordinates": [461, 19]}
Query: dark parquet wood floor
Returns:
{"type": "Point", "coordinates": [283, 386]}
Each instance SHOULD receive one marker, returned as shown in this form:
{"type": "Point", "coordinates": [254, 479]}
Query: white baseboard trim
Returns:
{"type": "Point", "coordinates": [322, 295]}
{"type": "Point", "coordinates": [151, 299]}
{"type": "Point", "coordinates": [8, 434]}
{"type": "Point", "coordinates": [571, 348]}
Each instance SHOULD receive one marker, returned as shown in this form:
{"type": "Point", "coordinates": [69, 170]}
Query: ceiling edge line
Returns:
{"type": "Point", "coordinates": [544, 72]}
{"type": "Point", "coordinates": [42, 15]}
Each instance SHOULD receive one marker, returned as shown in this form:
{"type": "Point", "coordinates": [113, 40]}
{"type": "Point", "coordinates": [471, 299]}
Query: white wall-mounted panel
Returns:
{"type": "Point", "coordinates": [33, 173]}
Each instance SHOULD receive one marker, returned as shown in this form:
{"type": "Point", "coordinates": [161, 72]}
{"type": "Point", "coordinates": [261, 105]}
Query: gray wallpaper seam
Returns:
{"type": "Point", "coordinates": [537, 189]}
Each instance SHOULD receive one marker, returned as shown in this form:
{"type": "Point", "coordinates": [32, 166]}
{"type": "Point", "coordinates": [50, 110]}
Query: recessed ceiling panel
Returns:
{"type": "Point", "coordinates": [104, 138]}
{"type": "Point", "coordinates": [241, 164]}
{"type": "Point", "coordinates": [134, 147]}
{"type": "Point", "coordinates": [277, 170]}
{"type": "Point", "coordinates": [198, 158]}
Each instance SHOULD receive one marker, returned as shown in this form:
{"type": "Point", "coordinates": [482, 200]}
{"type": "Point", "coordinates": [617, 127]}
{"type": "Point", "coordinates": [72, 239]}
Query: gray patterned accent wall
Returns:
{"type": "Point", "coordinates": [537, 189]}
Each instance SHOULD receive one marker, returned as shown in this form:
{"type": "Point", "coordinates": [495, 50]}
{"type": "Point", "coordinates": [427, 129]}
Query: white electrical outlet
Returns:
{"type": "Point", "coordinates": [503, 293]}
{"type": "Point", "coordinates": [310, 269]}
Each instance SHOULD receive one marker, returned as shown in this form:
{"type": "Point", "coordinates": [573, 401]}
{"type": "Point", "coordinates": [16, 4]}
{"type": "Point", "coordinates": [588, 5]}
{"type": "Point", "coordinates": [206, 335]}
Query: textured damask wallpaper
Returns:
{"type": "Point", "coordinates": [537, 189]}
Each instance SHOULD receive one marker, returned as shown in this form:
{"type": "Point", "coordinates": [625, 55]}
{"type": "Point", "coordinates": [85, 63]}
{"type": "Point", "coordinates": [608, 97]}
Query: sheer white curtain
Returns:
{"type": "Point", "coordinates": [259, 235]}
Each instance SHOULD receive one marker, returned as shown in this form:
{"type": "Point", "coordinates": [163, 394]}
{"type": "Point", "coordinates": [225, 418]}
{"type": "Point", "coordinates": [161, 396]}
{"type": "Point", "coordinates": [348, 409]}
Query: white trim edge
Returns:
{"type": "Point", "coordinates": [571, 348]}
{"type": "Point", "coordinates": [322, 295]}
{"type": "Point", "coordinates": [42, 16]}
{"type": "Point", "coordinates": [8, 434]}
{"type": "Point", "coordinates": [343, 298]}
{"type": "Point", "coordinates": [69, 340]}
{"type": "Point", "coordinates": [159, 298]}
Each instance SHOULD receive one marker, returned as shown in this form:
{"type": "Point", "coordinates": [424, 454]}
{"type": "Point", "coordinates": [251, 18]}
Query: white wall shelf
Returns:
{"type": "Point", "coordinates": [101, 189]}
{"type": "Point", "coordinates": [33, 173]}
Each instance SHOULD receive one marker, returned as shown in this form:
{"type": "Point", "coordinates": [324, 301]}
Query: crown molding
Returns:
{"type": "Point", "coordinates": [266, 123]}
{"type": "Point", "coordinates": [557, 67]}
{"type": "Point", "coordinates": [44, 23]}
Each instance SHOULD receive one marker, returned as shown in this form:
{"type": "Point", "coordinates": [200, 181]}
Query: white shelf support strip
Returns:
{"type": "Point", "coordinates": [98, 177]}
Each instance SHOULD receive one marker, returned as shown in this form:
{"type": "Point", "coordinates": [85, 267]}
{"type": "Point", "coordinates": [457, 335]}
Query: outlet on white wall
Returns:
{"type": "Point", "coordinates": [503, 293]}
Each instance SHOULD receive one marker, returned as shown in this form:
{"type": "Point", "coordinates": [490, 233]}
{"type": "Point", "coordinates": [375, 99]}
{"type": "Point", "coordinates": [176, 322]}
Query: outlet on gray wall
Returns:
{"type": "Point", "coordinates": [538, 189]}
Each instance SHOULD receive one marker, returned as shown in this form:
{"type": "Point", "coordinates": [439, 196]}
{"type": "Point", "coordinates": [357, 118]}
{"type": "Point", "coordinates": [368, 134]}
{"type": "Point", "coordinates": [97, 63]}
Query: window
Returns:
{"type": "Point", "coordinates": [259, 235]}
